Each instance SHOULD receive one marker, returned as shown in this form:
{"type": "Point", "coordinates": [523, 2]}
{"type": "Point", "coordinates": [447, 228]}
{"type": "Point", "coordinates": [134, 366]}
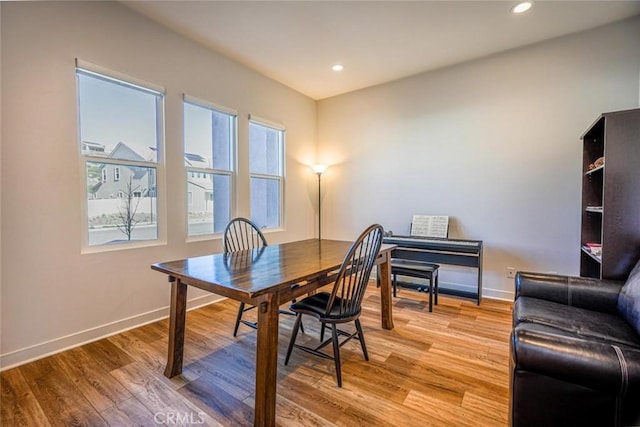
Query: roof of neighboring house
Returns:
{"type": "Point", "coordinates": [209, 188]}
{"type": "Point", "coordinates": [196, 160]}
{"type": "Point", "coordinates": [124, 152]}
{"type": "Point", "coordinates": [194, 157]}
{"type": "Point", "coordinates": [96, 187]}
{"type": "Point", "coordinates": [138, 171]}
{"type": "Point", "coordinates": [93, 144]}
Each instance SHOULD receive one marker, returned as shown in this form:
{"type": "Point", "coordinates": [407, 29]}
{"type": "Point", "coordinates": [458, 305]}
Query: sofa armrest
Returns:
{"type": "Point", "coordinates": [610, 368]}
{"type": "Point", "coordinates": [583, 292]}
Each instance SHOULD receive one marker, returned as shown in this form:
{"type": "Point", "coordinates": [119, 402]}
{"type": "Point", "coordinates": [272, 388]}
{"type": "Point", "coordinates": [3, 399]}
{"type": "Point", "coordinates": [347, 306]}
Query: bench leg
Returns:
{"type": "Point", "coordinates": [430, 293]}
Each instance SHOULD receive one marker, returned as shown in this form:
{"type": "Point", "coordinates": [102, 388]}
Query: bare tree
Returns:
{"type": "Point", "coordinates": [127, 212]}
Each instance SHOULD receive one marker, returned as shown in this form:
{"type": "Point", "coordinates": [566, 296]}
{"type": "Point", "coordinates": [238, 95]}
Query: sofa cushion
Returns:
{"type": "Point", "coordinates": [629, 299]}
{"type": "Point", "coordinates": [604, 327]}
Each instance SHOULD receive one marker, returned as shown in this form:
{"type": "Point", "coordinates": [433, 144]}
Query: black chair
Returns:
{"type": "Point", "coordinates": [418, 269]}
{"type": "Point", "coordinates": [344, 302]}
{"type": "Point", "coordinates": [242, 234]}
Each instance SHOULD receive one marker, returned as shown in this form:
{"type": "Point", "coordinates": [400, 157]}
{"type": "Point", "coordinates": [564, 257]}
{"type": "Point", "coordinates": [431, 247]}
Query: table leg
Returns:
{"type": "Point", "coordinates": [177, 315]}
{"type": "Point", "coordinates": [385, 291]}
{"type": "Point", "coordinates": [266, 362]}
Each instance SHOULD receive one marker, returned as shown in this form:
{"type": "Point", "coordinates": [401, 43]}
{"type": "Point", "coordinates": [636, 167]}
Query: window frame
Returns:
{"type": "Point", "coordinates": [91, 70]}
{"type": "Point", "coordinates": [193, 172]}
{"type": "Point", "coordinates": [281, 157]}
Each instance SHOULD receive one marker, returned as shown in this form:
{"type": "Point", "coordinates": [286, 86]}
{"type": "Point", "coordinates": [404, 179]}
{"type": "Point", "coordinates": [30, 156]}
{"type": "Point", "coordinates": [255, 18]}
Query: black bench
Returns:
{"type": "Point", "coordinates": [421, 270]}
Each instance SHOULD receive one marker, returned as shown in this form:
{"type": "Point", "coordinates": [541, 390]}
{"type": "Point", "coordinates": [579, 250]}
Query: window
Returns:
{"type": "Point", "coordinates": [209, 145]}
{"type": "Point", "coordinates": [266, 154]}
{"type": "Point", "coordinates": [120, 128]}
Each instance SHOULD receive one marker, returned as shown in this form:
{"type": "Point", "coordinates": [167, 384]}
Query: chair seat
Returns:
{"type": "Point", "coordinates": [316, 305]}
{"type": "Point", "coordinates": [422, 267]}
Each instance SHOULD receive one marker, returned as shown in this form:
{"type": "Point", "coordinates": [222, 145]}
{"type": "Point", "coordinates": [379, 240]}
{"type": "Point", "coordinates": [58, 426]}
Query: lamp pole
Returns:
{"type": "Point", "coordinates": [319, 169]}
{"type": "Point", "coordinates": [319, 210]}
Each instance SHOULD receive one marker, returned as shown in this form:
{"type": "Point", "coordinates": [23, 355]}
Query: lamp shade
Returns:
{"type": "Point", "coordinates": [319, 169]}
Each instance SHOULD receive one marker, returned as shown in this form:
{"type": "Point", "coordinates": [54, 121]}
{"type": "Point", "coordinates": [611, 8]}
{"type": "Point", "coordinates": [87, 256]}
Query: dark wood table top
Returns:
{"type": "Point", "coordinates": [245, 275]}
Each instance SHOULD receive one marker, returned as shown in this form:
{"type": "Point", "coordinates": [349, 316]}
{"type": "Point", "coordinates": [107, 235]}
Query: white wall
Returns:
{"type": "Point", "coordinates": [52, 295]}
{"type": "Point", "coordinates": [493, 143]}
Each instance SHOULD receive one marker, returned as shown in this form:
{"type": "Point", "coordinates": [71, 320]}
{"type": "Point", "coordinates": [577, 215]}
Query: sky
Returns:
{"type": "Point", "coordinates": [111, 113]}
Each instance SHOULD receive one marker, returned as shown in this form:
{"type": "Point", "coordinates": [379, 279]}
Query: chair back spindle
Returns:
{"type": "Point", "coordinates": [354, 274]}
{"type": "Point", "coordinates": [242, 234]}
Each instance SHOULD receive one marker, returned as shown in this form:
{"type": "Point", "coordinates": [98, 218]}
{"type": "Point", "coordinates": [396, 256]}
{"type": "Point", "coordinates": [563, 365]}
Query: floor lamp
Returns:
{"type": "Point", "coordinates": [319, 170]}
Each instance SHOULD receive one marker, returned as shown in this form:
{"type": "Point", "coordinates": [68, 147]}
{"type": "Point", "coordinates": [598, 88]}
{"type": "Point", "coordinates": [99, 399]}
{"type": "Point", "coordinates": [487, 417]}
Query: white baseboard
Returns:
{"type": "Point", "coordinates": [57, 345]}
{"type": "Point", "coordinates": [486, 293]}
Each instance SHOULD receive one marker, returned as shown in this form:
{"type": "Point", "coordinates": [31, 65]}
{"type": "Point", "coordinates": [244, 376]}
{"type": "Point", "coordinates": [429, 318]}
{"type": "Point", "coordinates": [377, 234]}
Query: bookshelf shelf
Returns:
{"type": "Point", "coordinates": [598, 169]}
{"type": "Point", "coordinates": [594, 209]}
{"type": "Point", "coordinates": [596, 258]}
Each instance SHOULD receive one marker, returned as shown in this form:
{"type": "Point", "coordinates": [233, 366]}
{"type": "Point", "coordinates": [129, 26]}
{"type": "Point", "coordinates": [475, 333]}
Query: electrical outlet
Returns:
{"type": "Point", "coordinates": [511, 272]}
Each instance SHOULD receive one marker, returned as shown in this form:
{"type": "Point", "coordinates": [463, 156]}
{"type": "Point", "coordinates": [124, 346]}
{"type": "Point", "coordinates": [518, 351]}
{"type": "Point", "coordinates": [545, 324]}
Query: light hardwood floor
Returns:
{"type": "Point", "coordinates": [446, 368]}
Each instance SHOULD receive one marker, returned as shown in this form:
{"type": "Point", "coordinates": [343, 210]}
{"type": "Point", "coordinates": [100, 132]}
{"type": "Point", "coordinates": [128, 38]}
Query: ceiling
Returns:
{"type": "Point", "coordinates": [297, 42]}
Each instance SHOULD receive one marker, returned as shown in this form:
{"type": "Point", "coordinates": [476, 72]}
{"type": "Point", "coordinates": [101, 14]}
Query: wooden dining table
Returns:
{"type": "Point", "coordinates": [264, 278]}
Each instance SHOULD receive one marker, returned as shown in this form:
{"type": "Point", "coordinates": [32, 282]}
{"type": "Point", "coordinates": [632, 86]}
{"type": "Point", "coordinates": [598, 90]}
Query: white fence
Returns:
{"type": "Point", "coordinates": [98, 207]}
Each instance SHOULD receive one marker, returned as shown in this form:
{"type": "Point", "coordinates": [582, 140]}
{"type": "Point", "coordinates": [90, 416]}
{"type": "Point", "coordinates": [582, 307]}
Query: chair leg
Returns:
{"type": "Point", "coordinates": [436, 279]}
{"type": "Point", "coordinates": [336, 353]}
{"type": "Point", "coordinates": [430, 294]}
{"type": "Point", "coordinates": [238, 318]}
{"type": "Point", "coordinates": [322, 326]}
{"type": "Point", "coordinates": [293, 301]}
{"type": "Point", "coordinates": [294, 334]}
{"type": "Point", "coordinates": [361, 338]}
{"type": "Point", "coordinates": [290, 313]}
{"type": "Point", "coordinates": [394, 281]}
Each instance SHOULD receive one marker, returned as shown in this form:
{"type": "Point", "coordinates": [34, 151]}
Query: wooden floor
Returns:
{"type": "Point", "coordinates": [446, 368]}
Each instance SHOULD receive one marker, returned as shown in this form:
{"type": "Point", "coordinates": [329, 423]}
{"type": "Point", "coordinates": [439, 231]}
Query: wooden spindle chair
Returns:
{"type": "Point", "coordinates": [344, 303]}
{"type": "Point", "coordinates": [239, 235]}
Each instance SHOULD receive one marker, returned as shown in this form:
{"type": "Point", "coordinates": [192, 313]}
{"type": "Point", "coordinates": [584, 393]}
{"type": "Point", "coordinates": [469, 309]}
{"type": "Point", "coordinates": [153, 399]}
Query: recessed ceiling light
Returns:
{"type": "Point", "coordinates": [522, 7]}
{"type": "Point", "coordinates": [337, 67]}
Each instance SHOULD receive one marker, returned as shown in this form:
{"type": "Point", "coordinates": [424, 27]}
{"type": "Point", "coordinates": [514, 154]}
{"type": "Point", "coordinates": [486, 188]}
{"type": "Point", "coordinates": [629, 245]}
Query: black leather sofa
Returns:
{"type": "Point", "coordinates": [575, 351]}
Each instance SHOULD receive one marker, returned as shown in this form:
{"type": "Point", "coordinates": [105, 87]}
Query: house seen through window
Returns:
{"type": "Point", "coordinates": [120, 137]}
{"type": "Point", "coordinates": [209, 146]}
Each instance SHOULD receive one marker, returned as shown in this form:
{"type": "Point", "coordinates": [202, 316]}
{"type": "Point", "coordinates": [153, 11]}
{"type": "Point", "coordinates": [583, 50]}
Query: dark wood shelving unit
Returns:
{"type": "Point", "coordinates": [611, 196]}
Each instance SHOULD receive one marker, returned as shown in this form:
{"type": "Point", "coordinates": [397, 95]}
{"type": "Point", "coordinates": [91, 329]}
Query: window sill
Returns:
{"type": "Point", "coordinates": [121, 246]}
{"type": "Point", "coordinates": [204, 237]}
